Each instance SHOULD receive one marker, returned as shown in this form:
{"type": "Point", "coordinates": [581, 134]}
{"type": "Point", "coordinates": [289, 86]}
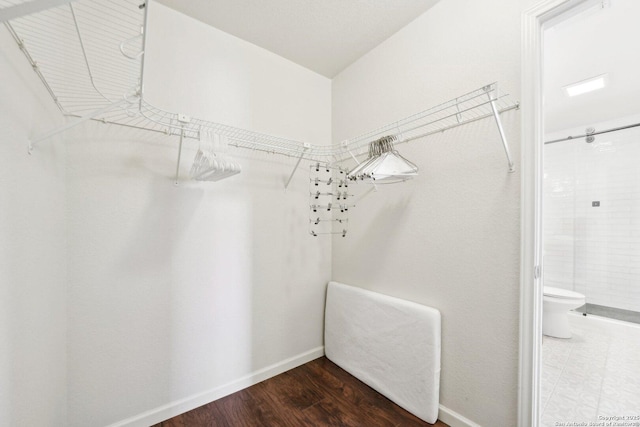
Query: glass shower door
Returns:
{"type": "Point", "coordinates": [592, 221]}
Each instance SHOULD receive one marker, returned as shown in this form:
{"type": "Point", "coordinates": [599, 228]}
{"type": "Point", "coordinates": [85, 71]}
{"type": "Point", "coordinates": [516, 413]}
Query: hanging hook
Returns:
{"type": "Point", "coordinates": [128, 42]}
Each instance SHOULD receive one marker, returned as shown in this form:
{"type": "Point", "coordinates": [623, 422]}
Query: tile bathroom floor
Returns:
{"type": "Point", "coordinates": [593, 375]}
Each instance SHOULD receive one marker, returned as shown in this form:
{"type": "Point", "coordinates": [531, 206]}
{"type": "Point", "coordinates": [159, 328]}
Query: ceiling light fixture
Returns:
{"type": "Point", "coordinates": [588, 85]}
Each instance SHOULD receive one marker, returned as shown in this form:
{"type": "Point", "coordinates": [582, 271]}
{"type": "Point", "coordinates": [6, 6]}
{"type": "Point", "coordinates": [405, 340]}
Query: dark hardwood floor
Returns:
{"type": "Point", "coordinates": [318, 393]}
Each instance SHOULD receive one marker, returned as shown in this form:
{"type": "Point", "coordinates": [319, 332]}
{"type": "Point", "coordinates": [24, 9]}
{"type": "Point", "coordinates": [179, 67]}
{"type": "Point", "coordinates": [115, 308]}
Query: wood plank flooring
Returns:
{"type": "Point", "coordinates": [318, 393]}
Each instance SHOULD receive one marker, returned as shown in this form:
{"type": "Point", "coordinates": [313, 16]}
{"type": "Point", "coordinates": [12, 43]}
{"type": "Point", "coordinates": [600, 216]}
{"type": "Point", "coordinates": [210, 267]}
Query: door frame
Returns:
{"type": "Point", "coordinates": [533, 21]}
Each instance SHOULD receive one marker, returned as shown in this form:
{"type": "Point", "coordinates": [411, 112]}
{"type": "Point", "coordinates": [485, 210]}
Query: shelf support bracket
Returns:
{"type": "Point", "coordinates": [503, 137]}
{"type": "Point", "coordinates": [179, 155]}
{"type": "Point", "coordinates": [306, 146]}
{"type": "Point", "coordinates": [75, 123]}
{"type": "Point", "coordinates": [19, 10]}
{"type": "Point", "coordinates": [184, 120]}
{"type": "Point", "coordinates": [353, 157]}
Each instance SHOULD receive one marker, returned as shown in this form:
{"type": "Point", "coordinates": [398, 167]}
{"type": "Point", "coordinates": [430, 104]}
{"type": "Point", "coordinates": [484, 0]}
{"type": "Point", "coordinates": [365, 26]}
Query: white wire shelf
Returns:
{"type": "Point", "coordinates": [89, 54]}
{"type": "Point", "coordinates": [75, 50]}
{"type": "Point", "coordinates": [467, 108]}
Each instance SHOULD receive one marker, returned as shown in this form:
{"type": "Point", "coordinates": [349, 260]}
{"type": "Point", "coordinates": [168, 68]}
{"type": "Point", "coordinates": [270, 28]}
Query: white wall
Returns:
{"type": "Point", "coordinates": [449, 239]}
{"type": "Point", "coordinates": [176, 291]}
{"type": "Point", "coordinates": [32, 250]}
{"type": "Point", "coordinates": [594, 250]}
{"type": "Point", "coordinates": [124, 295]}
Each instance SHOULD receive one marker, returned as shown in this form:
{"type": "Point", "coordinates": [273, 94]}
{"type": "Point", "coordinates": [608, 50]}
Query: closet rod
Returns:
{"type": "Point", "coordinates": [569, 138]}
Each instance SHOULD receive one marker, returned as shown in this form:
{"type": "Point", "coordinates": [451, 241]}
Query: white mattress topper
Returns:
{"type": "Point", "coordinates": [390, 344]}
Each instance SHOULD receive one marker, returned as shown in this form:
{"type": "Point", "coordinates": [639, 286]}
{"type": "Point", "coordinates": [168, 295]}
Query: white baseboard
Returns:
{"type": "Point", "coordinates": [154, 416]}
{"type": "Point", "coordinates": [454, 419]}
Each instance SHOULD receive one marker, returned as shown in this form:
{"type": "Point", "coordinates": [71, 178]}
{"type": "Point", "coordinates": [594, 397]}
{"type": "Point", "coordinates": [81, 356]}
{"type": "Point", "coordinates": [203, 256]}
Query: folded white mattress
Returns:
{"type": "Point", "coordinates": [390, 344]}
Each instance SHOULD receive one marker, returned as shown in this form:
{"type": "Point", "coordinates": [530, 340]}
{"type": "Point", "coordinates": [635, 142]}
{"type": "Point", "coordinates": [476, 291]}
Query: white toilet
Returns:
{"type": "Point", "coordinates": [556, 304]}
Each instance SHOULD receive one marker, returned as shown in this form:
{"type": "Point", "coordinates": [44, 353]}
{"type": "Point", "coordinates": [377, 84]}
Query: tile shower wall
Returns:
{"type": "Point", "coordinates": [592, 215]}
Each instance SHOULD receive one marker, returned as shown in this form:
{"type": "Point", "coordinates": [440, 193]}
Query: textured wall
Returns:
{"type": "Point", "coordinates": [177, 290]}
{"type": "Point", "coordinates": [450, 238]}
{"type": "Point", "coordinates": [32, 250]}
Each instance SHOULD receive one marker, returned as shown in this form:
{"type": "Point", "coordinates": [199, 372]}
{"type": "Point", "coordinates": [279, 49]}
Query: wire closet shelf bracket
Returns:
{"type": "Point", "coordinates": [89, 54]}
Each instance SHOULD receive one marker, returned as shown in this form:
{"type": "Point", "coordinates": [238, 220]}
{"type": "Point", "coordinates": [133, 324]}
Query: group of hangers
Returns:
{"type": "Point", "coordinates": [341, 182]}
{"type": "Point", "coordinates": [318, 220]}
{"type": "Point", "coordinates": [339, 195]}
{"type": "Point", "coordinates": [314, 234]}
{"type": "Point", "coordinates": [327, 167]}
{"type": "Point", "coordinates": [384, 164]}
{"type": "Point", "coordinates": [343, 207]}
{"type": "Point", "coordinates": [211, 162]}
{"type": "Point", "coordinates": [335, 183]}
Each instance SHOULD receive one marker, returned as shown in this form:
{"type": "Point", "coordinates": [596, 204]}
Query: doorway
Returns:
{"type": "Point", "coordinates": [572, 239]}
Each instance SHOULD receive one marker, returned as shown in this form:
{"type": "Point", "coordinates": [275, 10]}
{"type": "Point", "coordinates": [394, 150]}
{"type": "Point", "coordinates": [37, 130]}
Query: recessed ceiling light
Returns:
{"type": "Point", "coordinates": [588, 85]}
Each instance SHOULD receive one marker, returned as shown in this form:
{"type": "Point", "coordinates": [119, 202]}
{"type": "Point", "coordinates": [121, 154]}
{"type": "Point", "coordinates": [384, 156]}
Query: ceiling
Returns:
{"type": "Point", "coordinates": [325, 36]}
{"type": "Point", "coordinates": [595, 41]}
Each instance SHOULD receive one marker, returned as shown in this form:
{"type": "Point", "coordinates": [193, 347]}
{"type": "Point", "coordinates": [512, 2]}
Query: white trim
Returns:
{"type": "Point", "coordinates": [454, 419]}
{"type": "Point", "coordinates": [178, 407]}
{"type": "Point", "coordinates": [533, 20]}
